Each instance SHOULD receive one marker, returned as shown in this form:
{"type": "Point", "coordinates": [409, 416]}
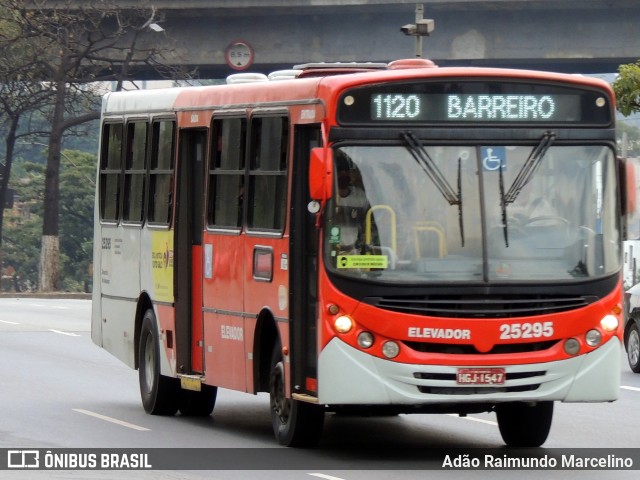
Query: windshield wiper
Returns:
{"type": "Point", "coordinates": [524, 176]}
{"type": "Point", "coordinates": [529, 168]}
{"type": "Point", "coordinates": [424, 160]}
{"type": "Point", "coordinates": [503, 206]}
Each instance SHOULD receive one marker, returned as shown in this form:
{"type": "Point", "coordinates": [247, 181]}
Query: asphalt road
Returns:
{"type": "Point", "coordinates": [60, 391]}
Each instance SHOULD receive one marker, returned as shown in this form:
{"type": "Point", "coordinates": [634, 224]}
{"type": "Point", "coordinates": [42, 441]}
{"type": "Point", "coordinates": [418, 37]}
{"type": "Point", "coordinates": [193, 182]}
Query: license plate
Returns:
{"type": "Point", "coordinates": [480, 376]}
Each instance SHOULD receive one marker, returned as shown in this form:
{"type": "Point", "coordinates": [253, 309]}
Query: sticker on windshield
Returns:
{"type": "Point", "coordinates": [334, 235]}
{"type": "Point", "coordinates": [363, 261]}
{"type": "Point", "coordinates": [493, 158]}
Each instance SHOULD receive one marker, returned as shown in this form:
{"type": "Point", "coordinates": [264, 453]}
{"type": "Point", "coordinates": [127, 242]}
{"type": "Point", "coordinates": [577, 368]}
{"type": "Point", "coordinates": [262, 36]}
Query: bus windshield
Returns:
{"type": "Point", "coordinates": [417, 213]}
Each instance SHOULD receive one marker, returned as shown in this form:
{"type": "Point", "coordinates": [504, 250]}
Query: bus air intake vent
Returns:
{"type": "Point", "coordinates": [405, 63]}
{"type": "Point", "coordinates": [491, 306]}
{"type": "Point", "coordinates": [445, 383]}
{"type": "Point", "coordinates": [322, 69]}
{"type": "Point", "coordinates": [358, 66]}
{"type": "Point", "coordinates": [284, 75]}
{"type": "Point", "coordinates": [464, 349]}
{"type": "Point", "coordinates": [476, 390]}
{"type": "Point", "coordinates": [246, 78]}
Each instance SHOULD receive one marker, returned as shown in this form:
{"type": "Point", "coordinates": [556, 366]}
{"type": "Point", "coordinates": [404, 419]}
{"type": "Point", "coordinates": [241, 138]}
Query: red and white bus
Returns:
{"type": "Point", "coordinates": [370, 238]}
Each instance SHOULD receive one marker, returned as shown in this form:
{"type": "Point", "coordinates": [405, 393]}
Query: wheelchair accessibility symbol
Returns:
{"type": "Point", "coordinates": [493, 158]}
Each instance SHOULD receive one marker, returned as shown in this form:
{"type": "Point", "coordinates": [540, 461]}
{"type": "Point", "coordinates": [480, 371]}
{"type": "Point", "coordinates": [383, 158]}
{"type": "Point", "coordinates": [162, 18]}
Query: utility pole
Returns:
{"type": "Point", "coordinates": [422, 28]}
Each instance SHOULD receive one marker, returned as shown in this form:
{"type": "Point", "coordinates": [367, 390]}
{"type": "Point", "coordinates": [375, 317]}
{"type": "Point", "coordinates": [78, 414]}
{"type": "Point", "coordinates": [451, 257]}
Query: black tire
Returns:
{"type": "Point", "coordinates": [295, 423]}
{"type": "Point", "coordinates": [524, 424]}
{"type": "Point", "coordinates": [632, 346]}
{"type": "Point", "coordinates": [198, 404]}
{"type": "Point", "coordinates": [159, 393]}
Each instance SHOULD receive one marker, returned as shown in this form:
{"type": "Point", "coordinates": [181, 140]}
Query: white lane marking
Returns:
{"type": "Point", "coordinates": [473, 419]}
{"type": "Point", "coordinates": [326, 477]}
{"type": "Point", "coordinates": [10, 323]}
{"type": "Point", "coordinates": [635, 389]}
{"type": "Point", "coordinates": [112, 420]}
{"type": "Point", "coordinates": [64, 333]}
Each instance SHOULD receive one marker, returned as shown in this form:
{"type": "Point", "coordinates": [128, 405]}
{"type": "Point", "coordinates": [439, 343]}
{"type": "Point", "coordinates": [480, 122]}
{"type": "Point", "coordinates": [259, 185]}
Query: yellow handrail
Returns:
{"type": "Point", "coordinates": [430, 226]}
{"type": "Point", "coordinates": [367, 233]}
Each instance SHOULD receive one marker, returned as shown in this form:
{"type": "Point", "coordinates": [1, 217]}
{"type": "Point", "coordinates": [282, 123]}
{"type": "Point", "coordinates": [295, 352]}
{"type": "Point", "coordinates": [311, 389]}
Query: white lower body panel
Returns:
{"type": "Point", "coordinates": [347, 376]}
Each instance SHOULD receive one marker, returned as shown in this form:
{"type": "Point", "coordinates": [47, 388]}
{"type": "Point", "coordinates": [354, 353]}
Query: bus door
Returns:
{"type": "Point", "coordinates": [189, 228]}
{"type": "Point", "coordinates": [304, 267]}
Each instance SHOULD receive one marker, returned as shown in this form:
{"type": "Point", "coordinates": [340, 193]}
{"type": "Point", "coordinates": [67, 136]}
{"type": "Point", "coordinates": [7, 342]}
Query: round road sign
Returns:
{"type": "Point", "coordinates": [239, 55]}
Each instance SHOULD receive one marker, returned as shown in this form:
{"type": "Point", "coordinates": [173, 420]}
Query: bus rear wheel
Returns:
{"type": "Point", "coordinates": [295, 423]}
{"type": "Point", "coordinates": [524, 424]}
{"type": "Point", "coordinates": [159, 393]}
{"type": "Point", "coordinates": [198, 404]}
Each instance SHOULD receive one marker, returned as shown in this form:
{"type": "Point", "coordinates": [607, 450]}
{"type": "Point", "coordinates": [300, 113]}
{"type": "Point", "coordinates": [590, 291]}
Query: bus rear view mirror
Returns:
{"type": "Point", "coordinates": [320, 173]}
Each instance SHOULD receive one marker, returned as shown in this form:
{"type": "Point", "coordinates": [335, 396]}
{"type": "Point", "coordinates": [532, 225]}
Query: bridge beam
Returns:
{"type": "Point", "coordinates": [577, 36]}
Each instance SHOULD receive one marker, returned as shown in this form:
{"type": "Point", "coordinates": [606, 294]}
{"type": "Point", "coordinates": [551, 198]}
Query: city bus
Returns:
{"type": "Point", "coordinates": [366, 239]}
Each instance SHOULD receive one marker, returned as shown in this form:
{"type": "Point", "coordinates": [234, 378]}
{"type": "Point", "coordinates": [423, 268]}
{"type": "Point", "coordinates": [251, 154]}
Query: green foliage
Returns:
{"type": "Point", "coordinates": [627, 88]}
{"type": "Point", "coordinates": [23, 226]}
{"type": "Point", "coordinates": [21, 248]}
{"type": "Point", "coordinates": [77, 186]}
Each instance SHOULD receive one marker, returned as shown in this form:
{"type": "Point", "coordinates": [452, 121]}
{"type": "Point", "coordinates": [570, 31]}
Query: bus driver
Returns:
{"type": "Point", "coordinates": [351, 204]}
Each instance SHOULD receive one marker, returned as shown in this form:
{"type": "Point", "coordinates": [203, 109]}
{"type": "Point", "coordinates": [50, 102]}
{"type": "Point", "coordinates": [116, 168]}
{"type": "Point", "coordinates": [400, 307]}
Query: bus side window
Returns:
{"type": "Point", "coordinates": [161, 172]}
{"type": "Point", "coordinates": [268, 173]}
{"type": "Point", "coordinates": [110, 171]}
{"type": "Point", "coordinates": [226, 173]}
{"type": "Point", "coordinates": [135, 172]}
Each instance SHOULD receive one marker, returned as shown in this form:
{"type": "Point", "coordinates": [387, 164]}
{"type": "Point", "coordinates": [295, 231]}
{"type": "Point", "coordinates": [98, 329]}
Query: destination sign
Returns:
{"type": "Point", "coordinates": [508, 107]}
{"type": "Point", "coordinates": [473, 102]}
{"type": "Point", "coordinates": [398, 106]}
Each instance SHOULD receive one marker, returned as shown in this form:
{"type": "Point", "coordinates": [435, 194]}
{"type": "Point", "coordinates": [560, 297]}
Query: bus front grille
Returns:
{"type": "Point", "coordinates": [497, 306]}
{"type": "Point", "coordinates": [463, 349]}
{"type": "Point", "coordinates": [445, 383]}
{"type": "Point", "coordinates": [476, 390]}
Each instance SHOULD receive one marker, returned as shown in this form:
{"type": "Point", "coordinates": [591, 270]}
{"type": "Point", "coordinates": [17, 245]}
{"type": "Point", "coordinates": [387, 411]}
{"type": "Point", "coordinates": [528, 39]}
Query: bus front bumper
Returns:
{"type": "Point", "coordinates": [347, 376]}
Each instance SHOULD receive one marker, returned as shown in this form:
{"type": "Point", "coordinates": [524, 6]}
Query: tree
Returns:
{"type": "Point", "coordinates": [24, 223]}
{"type": "Point", "coordinates": [17, 99]}
{"type": "Point", "coordinates": [77, 193]}
{"type": "Point", "coordinates": [627, 88]}
{"type": "Point", "coordinates": [77, 43]}
{"type": "Point", "coordinates": [18, 95]}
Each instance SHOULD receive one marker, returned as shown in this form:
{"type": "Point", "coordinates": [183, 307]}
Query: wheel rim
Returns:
{"type": "Point", "coordinates": [633, 348]}
{"type": "Point", "coordinates": [149, 363]}
{"type": "Point", "coordinates": [280, 405]}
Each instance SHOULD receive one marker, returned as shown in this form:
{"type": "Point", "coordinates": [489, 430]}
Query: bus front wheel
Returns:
{"type": "Point", "coordinates": [633, 348]}
{"type": "Point", "coordinates": [159, 393]}
{"type": "Point", "coordinates": [524, 424]}
{"type": "Point", "coordinates": [295, 423]}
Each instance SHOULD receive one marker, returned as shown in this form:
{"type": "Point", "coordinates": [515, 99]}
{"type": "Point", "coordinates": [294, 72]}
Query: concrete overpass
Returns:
{"type": "Point", "coordinates": [223, 36]}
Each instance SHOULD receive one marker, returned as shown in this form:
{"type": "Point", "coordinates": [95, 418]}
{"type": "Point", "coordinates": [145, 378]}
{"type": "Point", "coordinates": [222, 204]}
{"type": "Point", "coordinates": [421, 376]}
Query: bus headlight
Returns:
{"type": "Point", "coordinates": [571, 346]}
{"type": "Point", "coordinates": [343, 324]}
{"type": "Point", "coordinates": [609, 323]}
{"type": "Point", "coordinates": [365, 339]}
{"type": "Point", "coordinates": [593, 338]}
{"type": "Point", "coordinates": [390, 349]}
